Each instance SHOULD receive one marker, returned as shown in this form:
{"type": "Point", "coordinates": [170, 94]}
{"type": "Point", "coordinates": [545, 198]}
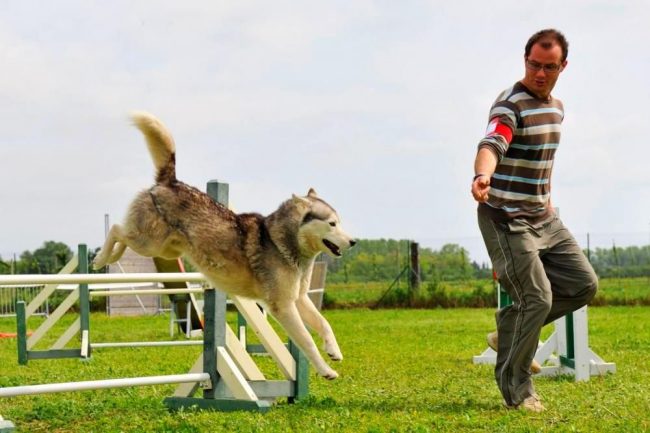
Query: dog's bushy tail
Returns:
{"type": "Point", "coordinates": [160, 144]}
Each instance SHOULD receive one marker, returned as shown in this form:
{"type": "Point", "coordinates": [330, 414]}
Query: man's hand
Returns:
{"type": "Point", "coordinates": [484, 166]}
{"type": "Point", "coordinates": [480, 188]}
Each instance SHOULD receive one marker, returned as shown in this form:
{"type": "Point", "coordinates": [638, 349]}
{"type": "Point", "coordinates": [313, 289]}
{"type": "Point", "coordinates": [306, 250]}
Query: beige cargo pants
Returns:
{"type": "Point", "coordinates": [547, 275]}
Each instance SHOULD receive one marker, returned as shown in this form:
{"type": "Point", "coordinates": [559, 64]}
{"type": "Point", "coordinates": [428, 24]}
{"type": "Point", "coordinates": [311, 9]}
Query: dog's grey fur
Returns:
{"type": "Point", "coordinates": [266, 258]}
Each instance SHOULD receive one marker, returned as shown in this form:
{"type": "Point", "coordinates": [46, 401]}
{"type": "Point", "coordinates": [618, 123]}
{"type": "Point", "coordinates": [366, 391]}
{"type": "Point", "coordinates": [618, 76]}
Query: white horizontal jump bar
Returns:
{"type": "Point", "coordinates": [102, 278]}
{"type": "Point", "coordinates": [108, 286]}
{"type": "Point", "coordinates": [144, 292]}
{"type": "Point", "coordinates": [102, 384]}
{"type": "Point", "coordinates": [148, 344]}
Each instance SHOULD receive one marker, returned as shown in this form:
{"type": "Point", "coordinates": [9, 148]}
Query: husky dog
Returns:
{"type": "Point", "coordinates": [265, 258]}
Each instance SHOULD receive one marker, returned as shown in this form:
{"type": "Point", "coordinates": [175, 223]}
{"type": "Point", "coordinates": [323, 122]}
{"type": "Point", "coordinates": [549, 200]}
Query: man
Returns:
{"type": "Point", "coordinates": [537, 260]}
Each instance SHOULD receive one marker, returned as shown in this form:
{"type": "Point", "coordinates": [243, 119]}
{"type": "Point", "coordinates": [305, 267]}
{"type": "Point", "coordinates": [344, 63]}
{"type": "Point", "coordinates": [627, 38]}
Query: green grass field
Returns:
{"type": "Point", "coordinates": [404, 371]}
{"type": "Point", "coordinates": [625, 290]}
{"type": "Point", "coordinates": [471, 293]}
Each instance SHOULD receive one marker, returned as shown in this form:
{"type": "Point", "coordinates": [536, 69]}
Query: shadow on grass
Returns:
{"type": "Point", "coordinates": [397, 405]}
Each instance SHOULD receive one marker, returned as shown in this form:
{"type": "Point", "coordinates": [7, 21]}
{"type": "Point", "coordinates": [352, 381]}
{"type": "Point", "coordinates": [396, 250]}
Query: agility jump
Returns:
{"type": "Point", "coordinates": [565, 352]}
{"type": "Point", "coordinates": [226, 372]}
{"type": "Point", "coordinates": [80, 294]}
{"type": "Point", "coordinates": [237, 383]}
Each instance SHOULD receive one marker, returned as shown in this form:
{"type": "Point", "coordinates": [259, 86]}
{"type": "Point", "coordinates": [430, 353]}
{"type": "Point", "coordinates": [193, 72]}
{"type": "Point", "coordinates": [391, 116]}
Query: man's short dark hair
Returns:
{"type": "Point", "coordinates": [546, 38]}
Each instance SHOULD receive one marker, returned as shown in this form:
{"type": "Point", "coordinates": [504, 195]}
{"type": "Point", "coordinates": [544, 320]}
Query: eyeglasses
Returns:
{"type": "Point", "coordinates": [549, 67]}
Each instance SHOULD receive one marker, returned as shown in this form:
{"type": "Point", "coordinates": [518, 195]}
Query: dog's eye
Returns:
{"type": "Point", "coordinates": [333, 224]}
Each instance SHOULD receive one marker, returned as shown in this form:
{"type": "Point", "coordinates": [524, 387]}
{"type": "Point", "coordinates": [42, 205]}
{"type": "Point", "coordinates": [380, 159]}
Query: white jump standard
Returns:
{"type": "Point", "coordinates": [79, 292]}
{"type": "Point", "coordinates": [565, 352]}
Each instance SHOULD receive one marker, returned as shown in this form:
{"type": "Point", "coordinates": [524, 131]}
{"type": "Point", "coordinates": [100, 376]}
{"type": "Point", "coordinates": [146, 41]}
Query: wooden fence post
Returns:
{"type": "Point", "coordinates": [414, 275]}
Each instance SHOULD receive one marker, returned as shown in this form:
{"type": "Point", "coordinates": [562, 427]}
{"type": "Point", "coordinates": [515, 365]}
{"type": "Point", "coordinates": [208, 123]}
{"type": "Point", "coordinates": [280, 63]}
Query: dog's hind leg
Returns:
{"type": "Point", "coordinates": [315, 320]}
{"type": "Point", "coordinates": [111, 253]}
{"type": "Point", "coordinates": [288, 316]}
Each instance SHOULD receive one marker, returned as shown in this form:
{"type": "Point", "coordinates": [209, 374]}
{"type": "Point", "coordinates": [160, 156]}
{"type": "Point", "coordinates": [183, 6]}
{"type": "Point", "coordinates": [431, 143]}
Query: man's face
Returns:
{"type": "Point", "coordinates": [543, 67]}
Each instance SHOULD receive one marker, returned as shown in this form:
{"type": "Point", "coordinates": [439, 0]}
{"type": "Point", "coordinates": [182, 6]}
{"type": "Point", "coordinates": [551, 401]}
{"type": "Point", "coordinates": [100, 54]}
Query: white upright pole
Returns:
{"type": "Point", "coordinates": [581, 350]}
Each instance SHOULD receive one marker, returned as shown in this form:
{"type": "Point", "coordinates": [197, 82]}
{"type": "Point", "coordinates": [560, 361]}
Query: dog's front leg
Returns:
{"type": "Point", "coordinates": [287, 314]}
{"type": "Point", "coordinates": [315, 320]}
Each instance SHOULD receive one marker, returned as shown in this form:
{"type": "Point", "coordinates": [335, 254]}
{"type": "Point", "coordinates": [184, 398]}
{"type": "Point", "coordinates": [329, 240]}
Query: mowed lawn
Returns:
{"type": "Point", "coordinates": [404, 371]}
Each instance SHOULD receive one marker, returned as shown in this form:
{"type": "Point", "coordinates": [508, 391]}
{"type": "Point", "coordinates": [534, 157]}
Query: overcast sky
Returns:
{"type": "Point", "coordinates": [378, 105]}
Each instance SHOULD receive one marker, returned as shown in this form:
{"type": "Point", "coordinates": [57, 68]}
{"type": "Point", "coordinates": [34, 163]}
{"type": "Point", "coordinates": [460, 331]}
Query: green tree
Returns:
{"type": "Point", "coordinates": [631, 261]}
{"type": "Point", "coordinates": [5, 268]}
{"type": "Point", "coordinates": [48, 259]}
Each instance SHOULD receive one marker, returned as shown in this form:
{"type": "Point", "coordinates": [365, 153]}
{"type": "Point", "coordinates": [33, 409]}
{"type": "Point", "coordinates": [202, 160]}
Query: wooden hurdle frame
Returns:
{"type": "Point", "coordinates": [225, 371]}
{"type": "Point", "coordinates": [565, 352]}
{"type": "Point", "coordinates": [80, 294]}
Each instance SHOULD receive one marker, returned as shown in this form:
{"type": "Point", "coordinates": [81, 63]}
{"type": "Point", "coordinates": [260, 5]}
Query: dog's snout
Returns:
{"type": "Point", "coordinates": [352, 242]}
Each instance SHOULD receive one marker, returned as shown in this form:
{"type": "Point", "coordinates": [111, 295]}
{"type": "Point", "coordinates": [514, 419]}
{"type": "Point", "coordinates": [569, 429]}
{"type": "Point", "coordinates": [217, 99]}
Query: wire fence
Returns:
{"type": "Point", "coordinates": [9, 295]}
{"type": "Point", "coordinates": [588, 241]}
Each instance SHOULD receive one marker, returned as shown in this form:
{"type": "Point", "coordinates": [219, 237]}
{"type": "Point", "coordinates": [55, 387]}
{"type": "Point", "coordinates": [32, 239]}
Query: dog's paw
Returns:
{"type": "Point", "coordinates": [330, 374]}
{"type": "Point", "coordinates": [337, 356]}
{"type": "Point", "coordinates": [333, 352]}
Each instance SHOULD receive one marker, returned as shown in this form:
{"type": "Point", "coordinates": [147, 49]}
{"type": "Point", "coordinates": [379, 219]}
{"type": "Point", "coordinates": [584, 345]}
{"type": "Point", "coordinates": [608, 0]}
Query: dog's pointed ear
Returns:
{"type": "Point", "coordinates": [299, 201]}
{"type": "Point", "coordinates": [312, 193]}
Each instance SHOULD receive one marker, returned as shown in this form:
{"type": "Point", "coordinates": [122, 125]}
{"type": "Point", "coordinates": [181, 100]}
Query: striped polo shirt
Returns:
{"type": "Point", "coordinates": [524, 132]}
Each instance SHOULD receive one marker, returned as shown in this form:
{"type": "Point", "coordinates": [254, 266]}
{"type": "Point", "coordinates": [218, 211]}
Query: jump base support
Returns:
{"type": "Point", "coordinates": [220, 405]}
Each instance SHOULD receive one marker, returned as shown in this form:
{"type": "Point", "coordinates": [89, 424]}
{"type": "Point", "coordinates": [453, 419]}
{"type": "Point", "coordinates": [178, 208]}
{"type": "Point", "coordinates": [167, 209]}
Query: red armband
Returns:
{"type": "Point", "coordinates": [496, 127]}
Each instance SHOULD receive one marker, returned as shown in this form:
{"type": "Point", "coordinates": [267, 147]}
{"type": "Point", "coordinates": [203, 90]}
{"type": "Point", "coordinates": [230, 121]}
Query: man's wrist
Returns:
{"type": "Point", "coordinates": [476, 176]}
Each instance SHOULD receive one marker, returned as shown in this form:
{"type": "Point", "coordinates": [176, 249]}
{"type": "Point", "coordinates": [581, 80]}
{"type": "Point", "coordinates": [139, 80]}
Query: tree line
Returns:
{"type": "Point", "coordinates": [383, 259]}
{"type": "Point", "coordinates": [49, 258]}
{"type": "Point", "coordinates": [615, 262]}
{"type": "Point", "coordinates": [374, 260]}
